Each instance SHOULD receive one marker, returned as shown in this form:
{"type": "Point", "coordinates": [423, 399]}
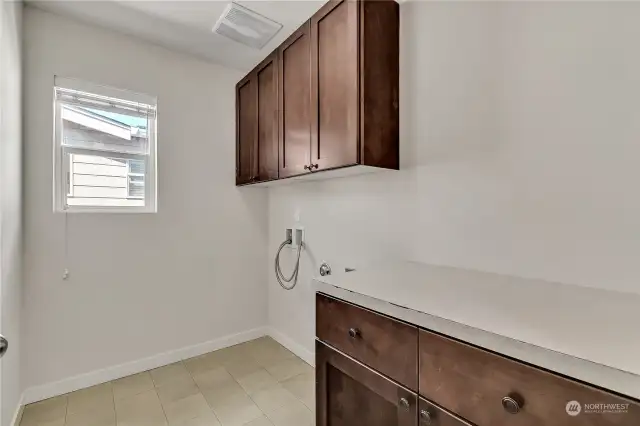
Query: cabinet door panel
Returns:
{"type": "Point", "coordinates": [267, 142]}
{"type": "Point", "coordinates": [350, 394]}
{"type": "Point", "coordinates": [295, 92]}
{"type": "Point", "coordinates": [334, 74]}
{"type": "Point", "coordinates": [472, 383]}
{"type": "Point", "coordinates": [432, 415]}
{"type": "Point", "coordinates": [246, 126]}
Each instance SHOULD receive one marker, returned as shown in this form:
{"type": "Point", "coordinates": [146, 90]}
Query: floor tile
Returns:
{"type": "Point", "coordinates": [296, 414]}
{"type": "Point", "coordinates": [270, 352]}
{"type": "Point", "coordinates": [143, 409]}
{"type": "Point", "coordinates": [256, 380]}
{"type": "Point", "coordinates": [48, 412]}
{"type": "Point", "coordinates": [272, 398]}
{"type": "Point", "coordinates": [224, 394]}
{"type": "Point", "coordinates": [303, 387]}
{"type": "Point", "coordinates": [289, 368]}
{"type": "Point", "coordinates": [203, 363]}
{"type": "Point", "coordinates": [213, 378]}
{"type": "Point", "coordinates": [262, 421]}
{"type": "Point", "coordinates": [32, 422]}
{"type": "Point", "coordinates": [237, 412]}
{"type": "Point", "coordinates": [102, 416]}
{"type": "Point", "coordinates": [99, 397]}
{"type": "Point", "coordinates": [232, 353]}
{"type": "Point", "coordinates": [257, 383]}
{"type": "Point", "coordinates": [242, 366]}
{"type": "Point", "coordinates": [132, 385]}
{"type": "Point", "coordinates": [169, 373]}
{"type": "Point", "coordinates": [208, 419]}
{"type": "Point", "coordinates": [176, 390]}
{"type": "Point", "coordinates": [181, 410]}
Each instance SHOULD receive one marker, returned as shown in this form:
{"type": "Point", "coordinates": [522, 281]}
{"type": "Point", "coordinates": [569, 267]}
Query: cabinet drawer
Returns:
{"type": "Point", "coordinates": [384, 344]}
{"type": "Point", "coordinates": [475, 383]}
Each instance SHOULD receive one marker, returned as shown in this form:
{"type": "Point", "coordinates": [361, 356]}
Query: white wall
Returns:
{"type": "Point", "coordinates": [140, 284]}
{"type": "Point", "coordinates": [11, 204]}
{"type": "Point", "coordinates": [520, 144]}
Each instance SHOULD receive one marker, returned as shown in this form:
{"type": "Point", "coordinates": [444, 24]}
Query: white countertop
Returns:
{"type": "Point", "coordinates": [590, 334]}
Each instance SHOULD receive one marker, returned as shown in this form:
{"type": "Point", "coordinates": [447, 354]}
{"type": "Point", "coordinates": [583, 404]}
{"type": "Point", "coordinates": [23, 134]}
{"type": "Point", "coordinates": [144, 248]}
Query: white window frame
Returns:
{"type": "Point", "coordinates": [129, 174]}
{"type": "Point", "coordinates": [62, 166]}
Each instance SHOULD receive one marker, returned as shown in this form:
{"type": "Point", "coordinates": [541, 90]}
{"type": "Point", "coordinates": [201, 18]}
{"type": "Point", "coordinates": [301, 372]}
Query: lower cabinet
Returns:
{"type": "Point", "coordinates": [431, 415]}
{"type": "Point", "coordinates": [350, 394]}
{"type": "Point", "coordinates": [458, 384]}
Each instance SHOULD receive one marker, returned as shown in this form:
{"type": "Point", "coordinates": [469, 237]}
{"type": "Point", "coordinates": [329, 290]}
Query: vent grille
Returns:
{"type": "Point", "coordinates": [245, 26]}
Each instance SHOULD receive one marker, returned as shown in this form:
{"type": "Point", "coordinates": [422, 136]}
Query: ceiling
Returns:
{"type": "Point", "coordinates": [186, 25]}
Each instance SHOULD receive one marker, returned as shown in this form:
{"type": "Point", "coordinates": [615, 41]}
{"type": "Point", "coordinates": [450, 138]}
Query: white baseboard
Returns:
{"type": "Point", "coordinates": [308, 356]}
{"type": "Point", "coordinates": [17, 416]}
{"type": "Point", "coordinates": [38, 393]}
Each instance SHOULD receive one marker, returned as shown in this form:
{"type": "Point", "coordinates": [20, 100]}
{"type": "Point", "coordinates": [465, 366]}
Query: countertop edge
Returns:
{"type": "Point", "coordinates": [619, 381]}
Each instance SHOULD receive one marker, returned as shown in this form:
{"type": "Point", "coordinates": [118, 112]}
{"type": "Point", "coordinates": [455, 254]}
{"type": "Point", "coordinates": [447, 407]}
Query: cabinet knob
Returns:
{"type": "Point", "coordinates": [512, 403]}
{"type": "Point", "coordinates": [354, 333]}
{"type": "Point", "coordinates": [404, 403]}
{"type": "Point", "coordinates": [308, 167]}
{"type": "Point", "coordinates": [425, 417]}
{"type": "Point", "coordinates": [314, 166]}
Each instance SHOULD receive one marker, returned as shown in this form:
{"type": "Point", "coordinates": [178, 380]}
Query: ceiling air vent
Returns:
{"type": "Point", "coordinates": [246, 26]}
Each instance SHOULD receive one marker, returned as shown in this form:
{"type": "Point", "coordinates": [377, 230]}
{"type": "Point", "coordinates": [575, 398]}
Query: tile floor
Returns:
{"type": "Point", "coordinates": [258, 383]}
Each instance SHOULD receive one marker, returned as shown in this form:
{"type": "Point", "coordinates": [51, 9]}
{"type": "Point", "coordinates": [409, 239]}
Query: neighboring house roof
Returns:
{"type": "Point", "coordinates": [121, 126]}
{"type": "Point", "coordinates": [128, 120]}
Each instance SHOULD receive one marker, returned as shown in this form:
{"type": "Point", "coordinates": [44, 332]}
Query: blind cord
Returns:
{"type": "Point", "coordinates": [65, 272]}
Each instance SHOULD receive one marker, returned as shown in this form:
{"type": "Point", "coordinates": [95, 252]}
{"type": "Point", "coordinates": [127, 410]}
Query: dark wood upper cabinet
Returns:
{"type": "Point", "coordinates": [295, 104]}
{"type": "Point", "coordinates": [267, 135]}
{"type": "Point", "coordinates": [334, 85]}
{"type": "Point", "coordinates": [337, 95]}
{"type": "Point", "coordinates": [257, 124]}
{"type": "Point", "coordinates": [350, 394]}
{"type": "Point", "coordinates": [354, 89]}
{"type": "Point", "coordinates": [246, 126]}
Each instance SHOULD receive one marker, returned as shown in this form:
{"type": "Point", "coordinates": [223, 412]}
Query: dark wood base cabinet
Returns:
{"type": "Point", "coordinates": [351, 394]}
{"type": "Point", "coordinates": [364, 362]}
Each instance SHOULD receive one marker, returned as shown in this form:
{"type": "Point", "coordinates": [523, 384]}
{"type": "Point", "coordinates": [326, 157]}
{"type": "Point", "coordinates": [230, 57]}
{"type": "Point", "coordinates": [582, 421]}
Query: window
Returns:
{"type": "Point", "coordinates": [105, 148]}
{"type": "Point", "coordinates": [135, 179]}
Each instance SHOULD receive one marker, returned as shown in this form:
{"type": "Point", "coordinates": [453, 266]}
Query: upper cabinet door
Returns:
{"type": "Point", "coordinates": [348, 393]}
{"type": "Point", "coordinates": [334, 85]}
{"type": "Point", "coordinates": [295, 117]}
{"type": "Point", "coordinates": [266, 150]}
{"type": "Point", "coordinates": [246, 127]}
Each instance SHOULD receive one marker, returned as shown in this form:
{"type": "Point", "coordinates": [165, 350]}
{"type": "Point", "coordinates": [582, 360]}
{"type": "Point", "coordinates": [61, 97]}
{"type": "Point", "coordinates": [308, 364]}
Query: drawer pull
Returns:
{"type": "Point", "coordinates": [354, 333]}
{"type": "Point", "coordinates": [512, 403]}
{"type": "Point", "coordinates": [404, 403]}
{"type": "Point", "coordinates": [425, 417]}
